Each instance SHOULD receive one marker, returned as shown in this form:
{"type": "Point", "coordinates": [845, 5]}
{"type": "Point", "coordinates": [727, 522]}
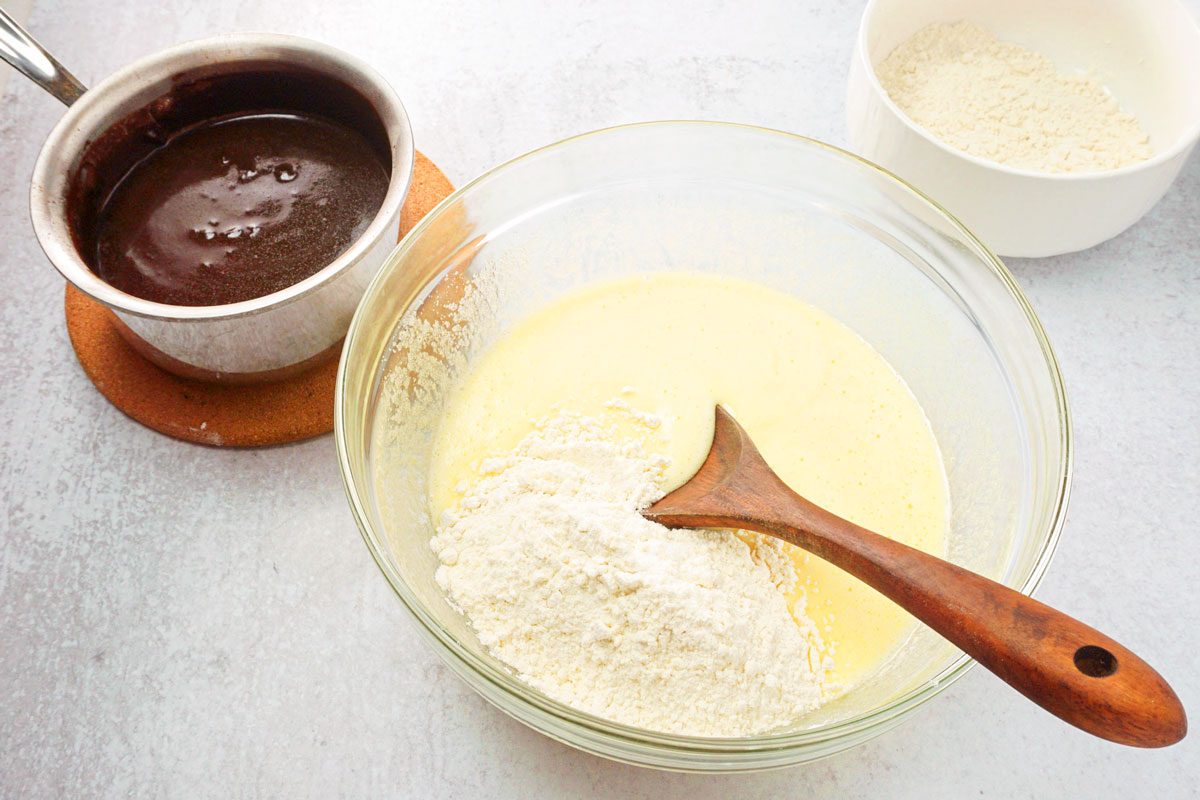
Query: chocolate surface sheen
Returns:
{"type": "Point", "coordinates": [238, 207]}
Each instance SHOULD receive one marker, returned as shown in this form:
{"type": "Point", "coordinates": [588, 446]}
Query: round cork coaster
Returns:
{"type": "Point", "coordinates": [289, 410]}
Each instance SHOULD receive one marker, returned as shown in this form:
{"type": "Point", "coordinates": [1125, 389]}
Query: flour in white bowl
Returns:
{"type": "Point", "coordinates": [1006, 103]}
{"type": "Point", "coordinates": [679, 631]}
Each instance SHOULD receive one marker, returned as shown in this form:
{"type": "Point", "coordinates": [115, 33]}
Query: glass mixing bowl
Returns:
{"type": "Point", "coordinates": [790, 212]}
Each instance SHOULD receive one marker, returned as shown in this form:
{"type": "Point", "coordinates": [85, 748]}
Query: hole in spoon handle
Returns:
{"type": "Point", "coordinates": [1095, 661]}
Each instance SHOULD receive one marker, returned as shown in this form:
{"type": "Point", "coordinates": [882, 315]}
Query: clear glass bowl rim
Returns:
{"type": "Point", "coordinates": [519, 693]}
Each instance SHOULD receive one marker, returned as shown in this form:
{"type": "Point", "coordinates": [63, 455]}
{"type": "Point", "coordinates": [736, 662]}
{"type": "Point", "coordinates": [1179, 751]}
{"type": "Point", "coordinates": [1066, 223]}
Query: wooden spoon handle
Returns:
{"type": "Point", "coordinates": [1068, 668]}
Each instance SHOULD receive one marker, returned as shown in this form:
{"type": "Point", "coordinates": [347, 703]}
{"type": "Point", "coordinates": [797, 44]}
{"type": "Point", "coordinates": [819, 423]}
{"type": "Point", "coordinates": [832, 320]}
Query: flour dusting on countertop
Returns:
{"type": "Point", "coordinates": [679, 631]}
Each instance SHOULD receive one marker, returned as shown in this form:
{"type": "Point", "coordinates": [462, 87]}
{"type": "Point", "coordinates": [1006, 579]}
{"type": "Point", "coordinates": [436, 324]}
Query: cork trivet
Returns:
{"type": "Point", "coordinates": [290, 410]}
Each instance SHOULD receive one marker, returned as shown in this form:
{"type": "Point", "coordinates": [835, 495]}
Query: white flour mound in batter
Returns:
{"type": "Point", "coordinates": [999, 101]}
{"type": "Point", "coordinates": [678, 631]}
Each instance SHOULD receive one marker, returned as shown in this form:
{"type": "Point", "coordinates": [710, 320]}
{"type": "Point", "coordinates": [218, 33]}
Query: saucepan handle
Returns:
{"type": "Point", "coordinates": [21, 50]}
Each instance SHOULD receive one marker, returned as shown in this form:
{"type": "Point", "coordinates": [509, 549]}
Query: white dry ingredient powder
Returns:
{"type": "Point", "coordinates": [1008, 104]}
{"type": "Point", "coordinates": [679, 631]}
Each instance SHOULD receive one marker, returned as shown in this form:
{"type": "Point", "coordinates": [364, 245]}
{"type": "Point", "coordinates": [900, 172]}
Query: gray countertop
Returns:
{"type": "Point", "coordinates": [184, 621]}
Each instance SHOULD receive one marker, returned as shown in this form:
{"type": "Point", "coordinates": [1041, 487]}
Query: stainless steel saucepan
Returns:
{"type": "Point", "coordinates": [254, 340]}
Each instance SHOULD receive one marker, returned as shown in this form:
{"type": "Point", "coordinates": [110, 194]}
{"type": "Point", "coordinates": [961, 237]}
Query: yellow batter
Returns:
{"type": "Point", "coordinates": [827, 412]}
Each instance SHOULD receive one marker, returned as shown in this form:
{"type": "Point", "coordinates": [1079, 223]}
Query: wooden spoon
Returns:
{"type": "Point", "coordinates": [1071, 670]}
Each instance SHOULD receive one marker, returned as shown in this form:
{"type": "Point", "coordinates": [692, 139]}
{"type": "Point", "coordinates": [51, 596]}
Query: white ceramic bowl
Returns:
{"type": "Point", "coordinates": [1146, 51]}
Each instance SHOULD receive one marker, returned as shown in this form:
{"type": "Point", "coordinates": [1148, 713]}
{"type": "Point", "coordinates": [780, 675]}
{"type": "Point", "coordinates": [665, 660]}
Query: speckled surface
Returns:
{"type": "Point", "coordinates": [178, 621]}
